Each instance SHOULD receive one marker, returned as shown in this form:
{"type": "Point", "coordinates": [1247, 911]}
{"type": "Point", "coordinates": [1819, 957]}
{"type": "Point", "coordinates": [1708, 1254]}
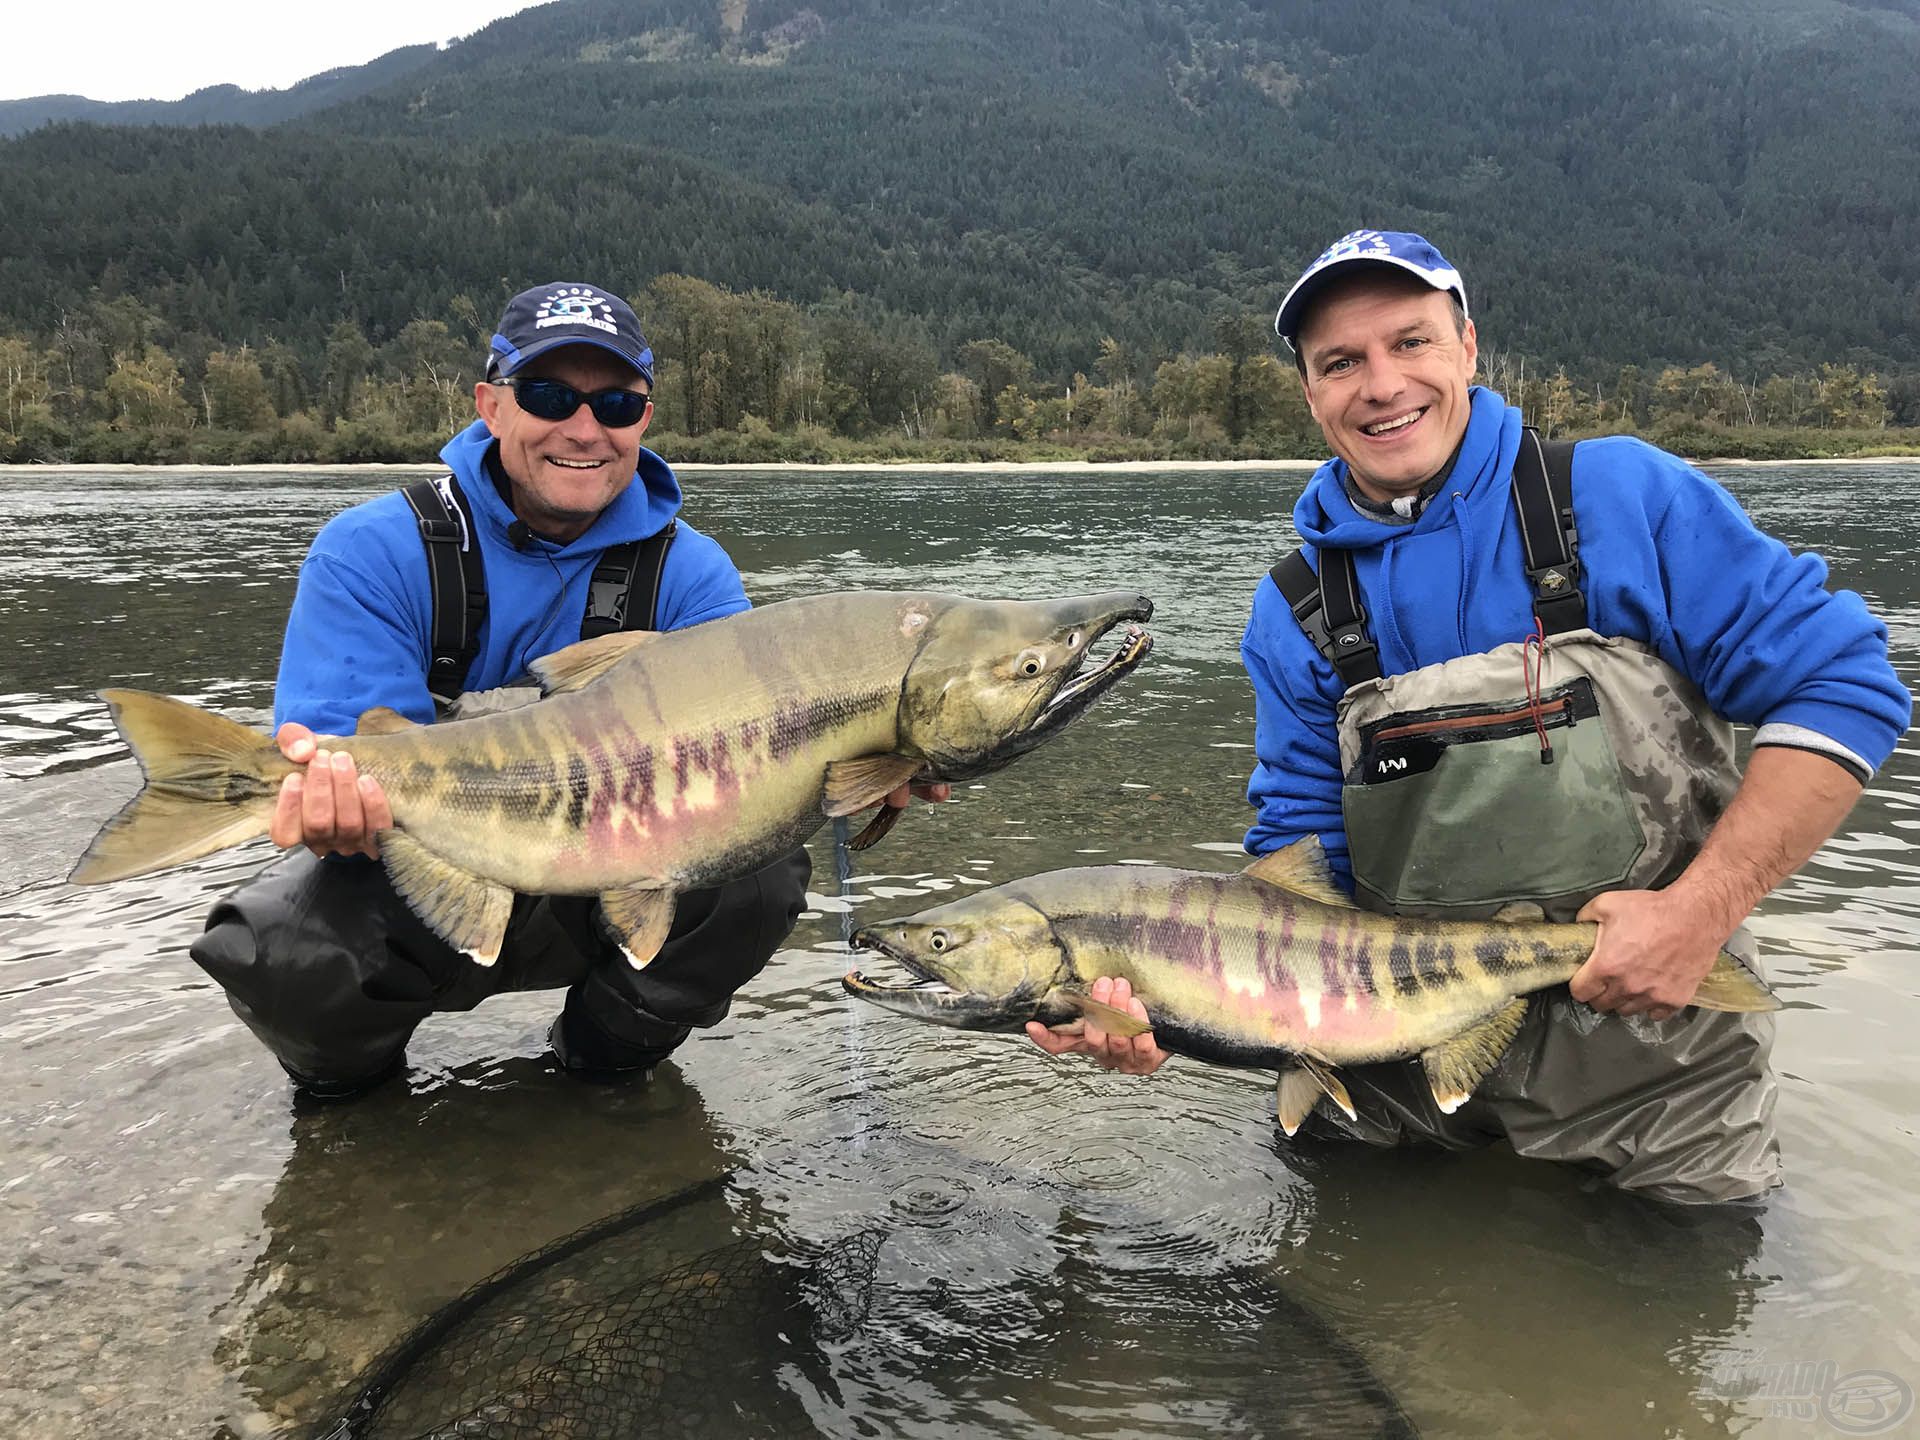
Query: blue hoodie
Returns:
{"type": "Point", "coordinates": [359, 632]}
{"type": "Point", "coordinates": [1670, 559]}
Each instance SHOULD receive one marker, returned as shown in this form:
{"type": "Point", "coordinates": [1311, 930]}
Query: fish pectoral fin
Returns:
{"type": "Point", "coordinates": [1519, 912]}
{"type": "Point", "coordinates": [1109, 1018]}
{"type": "Point", "coordinates": [578, 665]}
{"type": "Point", "coordinates": [637, 921]}
{"type": "Point", "coordinates": [467, 912]}
{"type": "Point", "coordinates": [884, 819]}
{"type": "Point", "coordinates": [865, 780]}
{"type": "Point", "coordinates": [1456, 1065]}
{"type": "Point", "coordinates": [1302, 868]}
{"type": "Point", "coordinates": [1328, 1083]}
{"type": "Point", "coordinates": [381, 720]}
{"type": "Point", "coordinates": [1731, 986]}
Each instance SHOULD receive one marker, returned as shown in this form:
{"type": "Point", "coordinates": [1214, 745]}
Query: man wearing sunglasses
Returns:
{"type": "Point", "coordinates": [318, 955]}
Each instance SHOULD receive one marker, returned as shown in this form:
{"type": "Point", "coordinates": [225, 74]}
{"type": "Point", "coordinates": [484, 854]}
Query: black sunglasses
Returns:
{"type": "Point", "coordinates": [556, 400]}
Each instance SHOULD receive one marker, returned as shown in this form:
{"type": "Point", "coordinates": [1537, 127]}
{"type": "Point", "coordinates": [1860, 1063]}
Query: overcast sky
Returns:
{"type": "Point", "coordinates": [120, 50]}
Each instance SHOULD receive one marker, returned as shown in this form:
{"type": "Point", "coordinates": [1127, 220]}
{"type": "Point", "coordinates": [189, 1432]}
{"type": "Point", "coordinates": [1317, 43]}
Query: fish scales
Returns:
{"type": "Point", "coordinates": [1267, 970]}
{"type": "Point", "coordinates": [656, 763]}
{"type": "Point", "coordinates": [737, 738]}
{"type": "Point", "coordinates": [1272, 966]}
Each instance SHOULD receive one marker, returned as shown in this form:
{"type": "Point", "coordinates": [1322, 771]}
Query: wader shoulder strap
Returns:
{"type": "Point", "coordinates": [1543, 501]}
{"type": "Point", "coordinates": [625, 591]}
{"type": "Point", "coordinates": [1329, 609]}
{"type": "Point", "coordinates": [457, 579]}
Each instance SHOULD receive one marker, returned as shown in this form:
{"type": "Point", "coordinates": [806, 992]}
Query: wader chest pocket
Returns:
{"type": "Point", "coordinates": [1451, 808]}
{"type": "Point", "coordinates": [1403, 745]}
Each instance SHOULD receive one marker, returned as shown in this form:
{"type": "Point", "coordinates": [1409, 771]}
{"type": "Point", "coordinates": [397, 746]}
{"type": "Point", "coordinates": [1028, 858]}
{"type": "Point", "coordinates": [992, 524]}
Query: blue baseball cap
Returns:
{"type": "Point", "coordinates": [564, 312]}
{"type": "Point", "coordinates": [1358, 249]}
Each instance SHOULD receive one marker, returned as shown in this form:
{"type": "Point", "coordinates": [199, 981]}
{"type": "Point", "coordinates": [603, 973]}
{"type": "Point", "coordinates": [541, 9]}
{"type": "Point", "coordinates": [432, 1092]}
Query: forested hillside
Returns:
{"type": "Point", "coordinates": [1097, 186]}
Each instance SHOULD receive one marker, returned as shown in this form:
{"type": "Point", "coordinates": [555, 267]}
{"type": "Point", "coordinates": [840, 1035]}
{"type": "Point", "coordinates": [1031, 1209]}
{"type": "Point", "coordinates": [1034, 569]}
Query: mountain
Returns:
{"type": "Point", "coordinates": [1649, 183]}
{"type": "Point", "coordinates": [219, 104]}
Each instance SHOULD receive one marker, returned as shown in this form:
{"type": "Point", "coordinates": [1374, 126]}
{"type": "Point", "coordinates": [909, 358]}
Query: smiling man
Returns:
{"type": "Point", "coordinates": [1500, 672]}
{"type": "Point", "coordinates": [553, 524]}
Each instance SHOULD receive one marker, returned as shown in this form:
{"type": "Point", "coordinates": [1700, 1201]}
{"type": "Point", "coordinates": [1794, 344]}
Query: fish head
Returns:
{"type": "Point", "coordinates": [983, 962]}
{"type": "Point", "coordinates": [994, 678]}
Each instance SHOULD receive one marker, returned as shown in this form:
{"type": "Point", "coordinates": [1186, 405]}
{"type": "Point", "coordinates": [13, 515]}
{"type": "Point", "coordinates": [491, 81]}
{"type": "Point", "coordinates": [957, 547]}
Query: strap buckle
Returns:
{"type": "Point", "coordinates": [1352, 646]}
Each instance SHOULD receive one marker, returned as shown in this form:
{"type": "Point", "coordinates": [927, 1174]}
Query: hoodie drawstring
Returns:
{"type": "Point", "coordinates": [1461, 520]}
{"type": "Point", "coordinates": [1386, 622]}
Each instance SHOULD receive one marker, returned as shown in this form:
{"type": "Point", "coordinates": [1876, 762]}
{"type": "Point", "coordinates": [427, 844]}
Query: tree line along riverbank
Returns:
{"type": "Point", "coordinates": [749, 378]}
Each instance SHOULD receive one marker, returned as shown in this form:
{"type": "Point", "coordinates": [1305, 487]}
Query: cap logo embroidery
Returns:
{"type": "Point", "coordinates": [1354, 242]}
{"type": "Point", "coordinates": [575, 305]}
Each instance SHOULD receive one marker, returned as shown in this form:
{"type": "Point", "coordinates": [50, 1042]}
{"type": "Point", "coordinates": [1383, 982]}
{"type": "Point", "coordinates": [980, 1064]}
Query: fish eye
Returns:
{"type": "Point", "coordinates": [939, 941]}
{"type": "Point", "coordinates": [1031, 667]}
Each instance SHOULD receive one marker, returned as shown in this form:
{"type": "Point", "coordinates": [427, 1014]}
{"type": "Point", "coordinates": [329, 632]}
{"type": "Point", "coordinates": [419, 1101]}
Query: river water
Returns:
{"type": "Point", "coordinates": [182, 1252]}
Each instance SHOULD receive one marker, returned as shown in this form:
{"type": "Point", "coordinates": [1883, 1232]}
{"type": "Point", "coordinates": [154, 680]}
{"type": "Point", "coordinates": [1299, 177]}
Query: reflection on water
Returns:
{"type": "Point", "coordinates": [1064, 1250]}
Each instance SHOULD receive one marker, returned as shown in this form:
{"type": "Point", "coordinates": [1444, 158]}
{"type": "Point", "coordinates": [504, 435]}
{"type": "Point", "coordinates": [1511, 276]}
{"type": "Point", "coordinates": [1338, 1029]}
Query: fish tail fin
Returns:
{"type": "Point", "coordinates": [1732, 985]}
{"type": "Point", "coordinates": [210, 783]}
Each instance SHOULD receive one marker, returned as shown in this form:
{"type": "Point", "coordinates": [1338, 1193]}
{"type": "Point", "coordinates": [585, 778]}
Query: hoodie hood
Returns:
{"type": "Point", "coordinates": [1325, 515]}
{"type": "Point", "coordinates": [638, 511]}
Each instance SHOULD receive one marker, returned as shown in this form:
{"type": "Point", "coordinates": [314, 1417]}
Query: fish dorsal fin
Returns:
{"type": "Point", "coordinates": [585, 661]}
{"type": "Point", "coordinates": [1519, 912]}
{"type": "Point", "coordinates": [1455, 1066]}
{"type": "Point", "coordinates": [1107, 1017]}
{"type": "Point", "coordinates": [865, 780]}
{"type": "Point", "coordinates": [382, 721]}
{"type": "Point", "coordinates": [1302, 868]}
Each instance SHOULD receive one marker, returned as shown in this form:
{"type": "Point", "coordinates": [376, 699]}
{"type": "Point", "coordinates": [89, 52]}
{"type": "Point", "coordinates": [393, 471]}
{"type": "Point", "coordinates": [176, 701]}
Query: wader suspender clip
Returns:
{"type": "Point", "coordinates": [1329, 609]}
{"type": "Point", "coordinates": [458, 582]}
{"type": "Point", "coordinates": [1328, 605]}
{"type": "Point", "coordinates": [625, 573]}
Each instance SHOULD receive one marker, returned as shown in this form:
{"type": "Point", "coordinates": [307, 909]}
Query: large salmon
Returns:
{"type": "Point", "coordinates": [661, 762]}
{"type": "Point", "coordinates": [1269, 966]}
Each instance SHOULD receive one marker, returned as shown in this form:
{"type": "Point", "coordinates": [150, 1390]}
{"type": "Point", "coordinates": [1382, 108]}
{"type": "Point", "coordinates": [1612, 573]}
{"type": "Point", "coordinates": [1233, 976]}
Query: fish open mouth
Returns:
{"type": "Point", "coordinates": [857, 984]}
{"type": "Point", "coordinates": [923, 981]}
{"type": "Point", "coordinates": [1084, 687]}
{"type": "Point", "coordinates": [925, 996]}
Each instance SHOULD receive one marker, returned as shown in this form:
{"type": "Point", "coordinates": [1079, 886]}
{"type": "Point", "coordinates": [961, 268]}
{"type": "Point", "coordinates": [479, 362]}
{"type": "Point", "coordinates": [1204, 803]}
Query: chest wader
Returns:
{"type": "Point", "coordinates": [1548, 770]}
{"type": "Point", "coordinates": [332, 971]}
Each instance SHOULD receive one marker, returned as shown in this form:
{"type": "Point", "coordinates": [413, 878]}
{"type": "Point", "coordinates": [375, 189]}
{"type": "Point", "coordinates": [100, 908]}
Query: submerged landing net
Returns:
{"type": "Point", "coordinates": [599, 1335]}
{"type": "Point", "coordinates": [612, 1333]}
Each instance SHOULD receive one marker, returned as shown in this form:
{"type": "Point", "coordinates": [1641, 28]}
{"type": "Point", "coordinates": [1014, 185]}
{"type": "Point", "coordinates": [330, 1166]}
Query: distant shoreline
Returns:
{"type": "Point", "coordinates": [956, 467]}
{"type": "Point", "coordinates": [982, 467]}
